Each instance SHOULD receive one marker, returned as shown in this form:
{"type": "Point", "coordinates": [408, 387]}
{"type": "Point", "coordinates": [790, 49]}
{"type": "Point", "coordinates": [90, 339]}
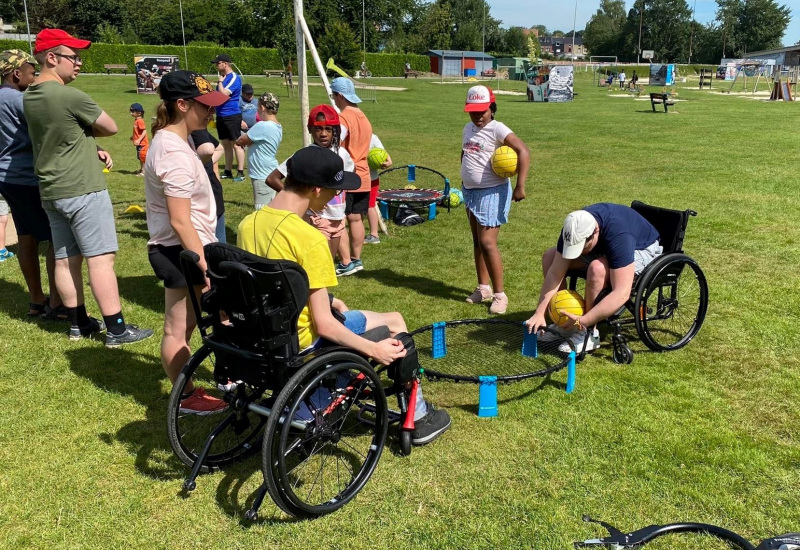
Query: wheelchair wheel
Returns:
{"type": "Point", "coordinates": [671, 302]}
{"type": "Point", "coordinates": [317, 462]}
{"type": "Point", "coordinates": [405, 442]}
{"type": "Point", "coordinates": [187, 432]}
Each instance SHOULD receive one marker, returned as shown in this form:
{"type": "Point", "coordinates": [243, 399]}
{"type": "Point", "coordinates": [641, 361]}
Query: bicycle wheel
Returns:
{"type": "Point", "coordinates": [188, 431]}
{"type": "Point", "coordinates": [671, 302]}
{"type": "Point", "coordinates": [317, 462]}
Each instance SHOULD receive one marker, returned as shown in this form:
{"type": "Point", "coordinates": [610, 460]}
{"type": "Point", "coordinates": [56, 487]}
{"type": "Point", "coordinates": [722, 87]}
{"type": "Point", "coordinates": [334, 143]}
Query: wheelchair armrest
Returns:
{"type": "Point", "coordinates": [377, 334]}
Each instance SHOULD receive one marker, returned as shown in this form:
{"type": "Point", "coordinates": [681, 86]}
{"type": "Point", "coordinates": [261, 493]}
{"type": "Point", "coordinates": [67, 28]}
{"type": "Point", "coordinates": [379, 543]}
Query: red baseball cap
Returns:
{"type": "Point", "coordinates": [330, 114]}
{"type": "Point", "coordinates": [479, 98]}
{"type": "Point", "coordinates": [50, 38]}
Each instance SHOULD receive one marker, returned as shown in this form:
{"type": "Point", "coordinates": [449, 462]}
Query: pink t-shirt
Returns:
{"type": "Point", "coordinates": [478, 146]}
{"type": "Point", "coordinates": [172, 169]}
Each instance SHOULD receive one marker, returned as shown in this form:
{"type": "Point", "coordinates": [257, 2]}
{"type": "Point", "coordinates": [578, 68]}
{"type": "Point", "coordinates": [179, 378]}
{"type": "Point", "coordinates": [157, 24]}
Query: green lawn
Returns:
{"type": "Point", "coordinates": [710, 433]}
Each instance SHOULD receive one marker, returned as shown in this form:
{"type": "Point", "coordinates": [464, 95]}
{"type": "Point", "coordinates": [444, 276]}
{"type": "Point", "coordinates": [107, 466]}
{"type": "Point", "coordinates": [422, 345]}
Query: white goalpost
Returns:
{"type": "Point", "coordinates": [304, 39]}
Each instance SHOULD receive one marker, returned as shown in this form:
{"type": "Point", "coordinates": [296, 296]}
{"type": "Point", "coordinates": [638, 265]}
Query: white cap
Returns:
{"type": "Point", "coordinates": [578, 227]}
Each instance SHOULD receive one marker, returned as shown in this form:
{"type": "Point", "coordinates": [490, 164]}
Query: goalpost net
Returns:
{"type": "Point", "coordinates": [598, 65]}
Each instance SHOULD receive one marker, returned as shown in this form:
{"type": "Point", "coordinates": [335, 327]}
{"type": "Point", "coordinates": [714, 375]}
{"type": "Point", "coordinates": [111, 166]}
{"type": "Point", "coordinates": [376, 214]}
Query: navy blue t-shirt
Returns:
{"type": "Point", "coordinates": [622, 231]}
{"type": "Point", "coordinates": [233, 83]}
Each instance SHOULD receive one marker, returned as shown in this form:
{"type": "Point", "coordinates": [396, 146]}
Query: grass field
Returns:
{"type": "Point", "coordinates": [710, 433]}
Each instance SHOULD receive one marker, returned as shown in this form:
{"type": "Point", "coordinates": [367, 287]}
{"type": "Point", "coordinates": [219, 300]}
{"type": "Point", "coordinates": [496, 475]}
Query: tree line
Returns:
{"type": "Point", "coordinates": [341, 28]}
{"type": "Point", "coordinates": [667, 27]}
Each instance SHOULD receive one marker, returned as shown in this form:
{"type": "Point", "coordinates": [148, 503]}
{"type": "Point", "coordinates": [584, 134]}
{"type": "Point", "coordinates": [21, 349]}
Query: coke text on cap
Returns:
{"type": "Point", "coordinates": [479, 98]}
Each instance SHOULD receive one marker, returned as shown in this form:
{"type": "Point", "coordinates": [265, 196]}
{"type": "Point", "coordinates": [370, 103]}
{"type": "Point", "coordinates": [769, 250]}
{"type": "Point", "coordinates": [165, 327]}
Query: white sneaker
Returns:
{"type": "Point", "coordinates": [554, 333]}
{"type": "Point", "coordinates": [578, 339]}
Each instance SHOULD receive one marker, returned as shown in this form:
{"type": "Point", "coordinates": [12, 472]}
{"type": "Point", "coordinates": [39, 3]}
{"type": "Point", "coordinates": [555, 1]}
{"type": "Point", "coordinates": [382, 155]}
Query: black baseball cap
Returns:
{"type": "Point", "coordinates": [189, 85]}
{"type": "Point", "coordinates": [247, 88]}
{"type": "Point", "coordinates": [318, 167]}
{"type": "Point", "coordinates": [222, 57]}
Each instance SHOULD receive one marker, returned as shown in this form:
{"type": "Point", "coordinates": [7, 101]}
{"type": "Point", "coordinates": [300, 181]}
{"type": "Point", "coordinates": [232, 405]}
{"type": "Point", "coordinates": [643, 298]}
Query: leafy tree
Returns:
{"type": "Point", "coordinates": [534, 48]}
{"type": "Point", "coordinates": [603, 34]}
{"type": "Point", "coordinates": [542, 30]}
{"type": "Point", "coordinates": [758, 25]}
{"type": "Point", "coordinates": [108, 34]}
{"type": "Point", "coordinates": [516, 43]}
{"type": "Point", "coordinates": [339, 42]}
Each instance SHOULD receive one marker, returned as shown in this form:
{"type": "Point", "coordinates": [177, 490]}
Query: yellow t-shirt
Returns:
{"type": "Point", "coordinates": [283, 235]}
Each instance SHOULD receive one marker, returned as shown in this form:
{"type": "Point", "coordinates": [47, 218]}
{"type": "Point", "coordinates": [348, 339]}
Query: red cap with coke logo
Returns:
{"type": "Point", "coordinates": [478, 99]}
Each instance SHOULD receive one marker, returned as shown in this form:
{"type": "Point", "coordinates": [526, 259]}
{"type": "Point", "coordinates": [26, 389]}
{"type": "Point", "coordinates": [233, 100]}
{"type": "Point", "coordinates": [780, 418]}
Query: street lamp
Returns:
{"type": "Point", "coordinates": [574, 21]}
{"type": "Point", "coordinates": [691, 34]}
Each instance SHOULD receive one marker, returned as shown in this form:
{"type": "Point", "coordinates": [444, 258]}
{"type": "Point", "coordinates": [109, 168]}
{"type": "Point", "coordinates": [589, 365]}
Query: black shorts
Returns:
{"type": "Point", "coordinates": [357, 202]}
{"type": "Point", "coordinates": [29, 217]}
{"type": "Point", "coordinates": [229, 127]}
{"type": "Point", "coordinates": [165, 261]}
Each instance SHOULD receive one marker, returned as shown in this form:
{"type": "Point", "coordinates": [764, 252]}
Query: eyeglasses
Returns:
{"type": "Point", "coordinates": [75, 59]}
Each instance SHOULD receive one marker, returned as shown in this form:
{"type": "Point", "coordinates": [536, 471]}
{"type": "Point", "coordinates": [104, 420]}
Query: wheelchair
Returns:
{"type": "Point", "coordinates": [321, 418]}
{"type": "Point", "coordinates": [669, 298]}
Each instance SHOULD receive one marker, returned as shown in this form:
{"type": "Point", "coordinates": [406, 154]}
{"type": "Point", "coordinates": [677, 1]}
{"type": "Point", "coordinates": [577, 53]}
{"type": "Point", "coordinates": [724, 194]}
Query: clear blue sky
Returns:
{"type": "Point", "coordinates": [559, 15]}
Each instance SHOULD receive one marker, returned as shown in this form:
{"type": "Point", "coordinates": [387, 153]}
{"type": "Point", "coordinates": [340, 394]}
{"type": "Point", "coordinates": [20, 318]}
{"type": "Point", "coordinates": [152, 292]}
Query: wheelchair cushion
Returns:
{"type": "Point", "coordinates": [670, 224]}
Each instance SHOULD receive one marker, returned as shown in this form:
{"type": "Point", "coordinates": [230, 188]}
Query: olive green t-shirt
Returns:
{"type": "Point", "coordinates": [60, 122]}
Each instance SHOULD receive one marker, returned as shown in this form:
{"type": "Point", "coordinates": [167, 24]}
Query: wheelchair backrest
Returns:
{"type": "Point", "coordinates": [262, 300]}
{"type": "Point", "coordinates": [670, 224]}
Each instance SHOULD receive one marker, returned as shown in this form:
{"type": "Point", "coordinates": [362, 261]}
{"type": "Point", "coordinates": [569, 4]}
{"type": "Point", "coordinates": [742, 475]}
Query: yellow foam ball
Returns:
{"type": "Point", "coordinates": [565, 300]}
{"type": "Point", "coordinates": [410, 187]}
{"type": "Point", "coordinates": [505, 162]}
{"type": "Point", "coordinates": [377, 157]}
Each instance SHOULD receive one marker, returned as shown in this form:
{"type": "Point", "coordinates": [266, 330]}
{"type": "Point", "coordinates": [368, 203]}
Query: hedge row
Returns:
{"type": "Point", "coordinates": [249, 60]}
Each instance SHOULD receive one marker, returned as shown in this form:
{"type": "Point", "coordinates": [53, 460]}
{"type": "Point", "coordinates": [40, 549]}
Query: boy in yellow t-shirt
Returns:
{"type": "Point", "coordinates": [277, 231]}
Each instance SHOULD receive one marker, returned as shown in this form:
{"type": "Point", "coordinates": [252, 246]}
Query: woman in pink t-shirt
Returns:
{"type": "Point", "coordinates": [181, 215]}
{"type": "Point", "coordinates": [487, 196]}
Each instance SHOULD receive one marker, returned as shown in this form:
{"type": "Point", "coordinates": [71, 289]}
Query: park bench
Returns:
{"type": "Point", "coordinates": [659, 98]}
{"type": "Point", "coordinates": [279, 73]}
{"type": "Point", "coordinates": [413, 73]}
{"type": "Point", "coordinates": [116, 67]}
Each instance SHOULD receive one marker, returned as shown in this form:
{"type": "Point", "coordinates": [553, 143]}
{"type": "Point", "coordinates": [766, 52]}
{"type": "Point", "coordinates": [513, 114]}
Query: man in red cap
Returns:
{"type": "Point", "coordinates": [63, 123]}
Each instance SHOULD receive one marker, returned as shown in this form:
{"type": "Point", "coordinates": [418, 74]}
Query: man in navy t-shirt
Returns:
{"type": "Point", "coordinates": [613, 243]}
{"type": "Point", "coordinates": [229, 116]}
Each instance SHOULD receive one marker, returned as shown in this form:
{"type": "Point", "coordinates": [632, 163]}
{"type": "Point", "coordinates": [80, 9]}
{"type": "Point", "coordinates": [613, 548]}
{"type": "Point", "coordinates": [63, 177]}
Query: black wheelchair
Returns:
{"type": "Point", "coordinates": [321, 418]}
{"type": "Point", "coordinates": [669, 298]}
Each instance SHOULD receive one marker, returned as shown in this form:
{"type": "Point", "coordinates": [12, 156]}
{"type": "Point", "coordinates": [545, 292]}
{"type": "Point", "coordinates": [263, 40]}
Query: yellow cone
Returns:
{"type": "Point", "coordinates": [134, 209]}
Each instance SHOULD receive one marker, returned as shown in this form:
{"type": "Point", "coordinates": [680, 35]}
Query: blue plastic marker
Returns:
{"type": "Point", "coordinates": [530, 343]}
{"type": "Point", "coordinates": [570, 372]}
{"type": "Point", "coordinates": [439, 343]}
{"type": "Point", "coordinates": [487, 396]}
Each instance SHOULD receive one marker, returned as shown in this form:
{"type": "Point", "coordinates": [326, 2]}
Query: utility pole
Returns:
{"type": "Point", "coordinates": [574, 21]}
{"type": "Point", "coordinates": [639, 50]}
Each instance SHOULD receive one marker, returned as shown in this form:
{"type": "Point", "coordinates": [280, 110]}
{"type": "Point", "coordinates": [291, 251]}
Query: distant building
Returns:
{"type": "Point", "coordinates": [457, 63]}
{"type": "Point", "coordinates": [788, 57]}
{"type": "Point", "coordinates": [561, 46]}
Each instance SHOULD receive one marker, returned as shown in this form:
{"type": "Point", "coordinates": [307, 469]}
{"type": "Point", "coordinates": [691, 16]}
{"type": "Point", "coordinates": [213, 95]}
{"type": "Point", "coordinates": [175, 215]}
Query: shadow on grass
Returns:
{"type": "Point", "coordinates": [136, 229]}
{"type": "Point", "coordinates": [138, 375]}
{"type": "Point", "coordinates": [420, 285]}
{"type": "Point", "coordinates": [14, 303]}
{"type": "Point", "coordinates": [145, 290]}
{"type": "Point", "coordinates": [547, 381]}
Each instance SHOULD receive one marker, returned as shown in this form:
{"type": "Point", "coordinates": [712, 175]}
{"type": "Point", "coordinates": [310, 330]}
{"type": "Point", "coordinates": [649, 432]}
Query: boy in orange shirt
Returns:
{"type": "Point", "coordinates": [139, 137]}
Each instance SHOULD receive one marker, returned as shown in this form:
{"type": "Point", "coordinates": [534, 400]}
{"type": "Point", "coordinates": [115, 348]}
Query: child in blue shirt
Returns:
{"type": "Point", "coordinates": [262, 141]}
{"type": "Point", "coordinates": [249, 106]}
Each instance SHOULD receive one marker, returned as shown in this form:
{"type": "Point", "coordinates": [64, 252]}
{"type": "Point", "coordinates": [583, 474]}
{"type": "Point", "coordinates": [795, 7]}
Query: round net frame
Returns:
{"type": "Point", "coordinates": [431, 185]}
{"type": "Point", "coordinates": [466, 350]}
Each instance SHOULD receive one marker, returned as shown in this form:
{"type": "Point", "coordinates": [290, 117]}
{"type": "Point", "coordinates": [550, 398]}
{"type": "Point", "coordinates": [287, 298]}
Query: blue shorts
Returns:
{"type": "Point", "coordinates": [489, 205]}
{"type": "Point", "coordinates": [354, 321]}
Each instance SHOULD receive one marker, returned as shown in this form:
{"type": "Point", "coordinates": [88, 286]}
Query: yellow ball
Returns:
{"type": "Point", "coordinates": [565, 300]}
{"type": "Point", "coordinates": [504, 161]}
{"type": "Point", "coordinates": [410, 187]}
{"type": "Point", "coordinates": [106, 170]}
{"type": "Point", "coordinates": [376, 157]}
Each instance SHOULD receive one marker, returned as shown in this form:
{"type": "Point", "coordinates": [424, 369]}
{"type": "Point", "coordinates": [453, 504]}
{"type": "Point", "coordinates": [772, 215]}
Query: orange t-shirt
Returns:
{"type": "Point", "coordinates": [359, 134]}
{"type": "Point", "coordinates": [138, 130]}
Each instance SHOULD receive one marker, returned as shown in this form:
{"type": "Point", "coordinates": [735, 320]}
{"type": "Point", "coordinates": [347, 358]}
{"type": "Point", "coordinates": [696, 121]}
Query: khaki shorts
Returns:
{"type": "Point", "coordinates": [330, 228]}
{"type": "Point", "coordinates": [641, 258]}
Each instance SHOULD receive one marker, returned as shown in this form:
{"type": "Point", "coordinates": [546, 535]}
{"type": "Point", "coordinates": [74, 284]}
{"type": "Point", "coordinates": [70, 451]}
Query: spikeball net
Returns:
{"type": "Point", "coordinates": [491, 351]}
